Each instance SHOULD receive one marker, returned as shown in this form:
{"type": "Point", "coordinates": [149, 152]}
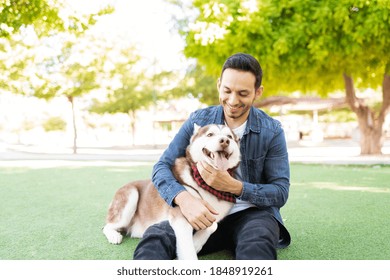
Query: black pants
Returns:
{"type": "Point", "coordinates": [251, 234]}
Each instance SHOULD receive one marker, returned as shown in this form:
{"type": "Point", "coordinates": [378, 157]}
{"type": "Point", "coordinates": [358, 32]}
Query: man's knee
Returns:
{"type": "Point", "coordinates": [162, 228]}
{"type": "Point", "coordinates": [258, 237]}
{"type": "Point", "coordinates": [157, 243]}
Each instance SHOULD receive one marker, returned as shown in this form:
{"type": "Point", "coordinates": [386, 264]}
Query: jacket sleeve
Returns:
{"type": "Point", "coordinates": [273, 189]}
{"type": "Point", "coordinates": [162, 176]}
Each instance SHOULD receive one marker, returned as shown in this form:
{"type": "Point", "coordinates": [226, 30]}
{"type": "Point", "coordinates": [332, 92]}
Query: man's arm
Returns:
{"type": "Point", "coordinates": [198, 212]}
{"type": "Point", "coordinates": [162, 175]}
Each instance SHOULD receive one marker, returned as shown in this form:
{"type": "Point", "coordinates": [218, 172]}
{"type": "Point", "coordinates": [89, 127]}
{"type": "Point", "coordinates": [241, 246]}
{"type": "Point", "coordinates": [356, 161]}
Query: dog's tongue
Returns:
{"type": "Point", "coordinates": [221, 161]}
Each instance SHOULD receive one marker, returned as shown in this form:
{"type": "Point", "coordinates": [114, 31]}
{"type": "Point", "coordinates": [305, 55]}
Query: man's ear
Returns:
{"type": "Point", "coordinates": [259, 92]}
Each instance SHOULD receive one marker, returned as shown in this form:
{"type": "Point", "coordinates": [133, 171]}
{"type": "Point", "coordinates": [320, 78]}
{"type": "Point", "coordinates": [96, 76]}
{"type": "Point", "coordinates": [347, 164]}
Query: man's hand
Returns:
{"type": "Point", "coordinates": [198, 212]}
{"type": "Point", "coordinates": [219, 180]}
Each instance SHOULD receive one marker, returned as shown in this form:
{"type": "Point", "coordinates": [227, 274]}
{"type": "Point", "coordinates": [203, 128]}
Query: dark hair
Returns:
{"type": "Point", "coordinates": [244, 62]}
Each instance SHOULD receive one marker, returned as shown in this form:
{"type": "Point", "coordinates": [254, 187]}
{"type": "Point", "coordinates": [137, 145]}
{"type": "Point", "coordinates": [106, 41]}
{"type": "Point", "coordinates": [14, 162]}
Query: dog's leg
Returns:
{"type": "Point", "coordinates": [183, 231]}
{"type": "Point", "coordinates": [120, 215]}
{"type": "Point", "coordinates": [201, 236]}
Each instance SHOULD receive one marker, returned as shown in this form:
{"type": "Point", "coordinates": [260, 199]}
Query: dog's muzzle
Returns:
{"type": "Point", "coordinates": [220, 159]}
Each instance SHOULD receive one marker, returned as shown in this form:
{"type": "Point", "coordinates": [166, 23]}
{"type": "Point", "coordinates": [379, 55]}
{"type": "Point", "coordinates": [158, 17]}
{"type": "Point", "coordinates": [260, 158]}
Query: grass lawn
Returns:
{"type": "Point", "coordinates": [333, 213]}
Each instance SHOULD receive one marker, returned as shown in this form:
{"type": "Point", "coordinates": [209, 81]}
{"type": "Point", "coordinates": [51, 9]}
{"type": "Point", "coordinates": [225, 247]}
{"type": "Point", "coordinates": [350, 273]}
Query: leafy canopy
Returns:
{"type": "Point", "coordinates": [45, 16]}
{"type": "Point", "coordinates": [302, 45]}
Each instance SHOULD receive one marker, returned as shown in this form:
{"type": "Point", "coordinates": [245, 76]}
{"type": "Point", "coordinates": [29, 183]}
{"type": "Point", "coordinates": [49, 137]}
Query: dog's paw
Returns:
{"type": "Point", "coordinates": [113, 236]}
{"type": "Point", "coordinates": [188, 255]}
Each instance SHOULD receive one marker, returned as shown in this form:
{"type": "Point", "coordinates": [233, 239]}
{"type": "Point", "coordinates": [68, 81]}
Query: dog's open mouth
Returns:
{"type": "Point", "coordinates": [219, 158]}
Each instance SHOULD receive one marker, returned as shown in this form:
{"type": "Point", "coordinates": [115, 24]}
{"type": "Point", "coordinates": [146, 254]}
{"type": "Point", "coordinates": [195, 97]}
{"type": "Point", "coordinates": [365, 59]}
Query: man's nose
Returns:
{"type": "Point", "coordinates": [233, 99]}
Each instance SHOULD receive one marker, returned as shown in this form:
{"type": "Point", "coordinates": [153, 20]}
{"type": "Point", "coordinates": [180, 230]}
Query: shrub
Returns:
{"type": "Point", "coordinates": [54, 123]}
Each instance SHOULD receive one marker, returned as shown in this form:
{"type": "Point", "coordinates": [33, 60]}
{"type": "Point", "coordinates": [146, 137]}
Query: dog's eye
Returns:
{"type": "Point", "coordinates": [230, 137]}
{"type": "Point", "coordinates": [210, 134]}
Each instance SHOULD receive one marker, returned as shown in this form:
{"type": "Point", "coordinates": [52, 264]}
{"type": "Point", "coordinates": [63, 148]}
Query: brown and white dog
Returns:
{"type": "Point", "coordinates": [138, 205]}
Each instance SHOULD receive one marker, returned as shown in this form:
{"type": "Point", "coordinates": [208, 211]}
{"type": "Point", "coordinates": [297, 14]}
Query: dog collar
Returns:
{"type": "Point", "coordinates": [219, 194]}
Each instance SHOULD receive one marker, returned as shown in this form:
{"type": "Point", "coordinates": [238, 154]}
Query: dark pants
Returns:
{"type": "Point", "coordinates": [251, 234]}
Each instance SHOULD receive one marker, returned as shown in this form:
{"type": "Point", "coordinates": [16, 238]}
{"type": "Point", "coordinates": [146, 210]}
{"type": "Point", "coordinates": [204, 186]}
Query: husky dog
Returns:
{"type": "Point", "coordinates": [138, 205]}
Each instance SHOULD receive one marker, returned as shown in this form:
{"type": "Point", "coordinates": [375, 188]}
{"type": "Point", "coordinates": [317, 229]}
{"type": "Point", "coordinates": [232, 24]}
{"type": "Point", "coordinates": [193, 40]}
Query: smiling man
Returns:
{"type": "Point", "coordinates": [254, 228]}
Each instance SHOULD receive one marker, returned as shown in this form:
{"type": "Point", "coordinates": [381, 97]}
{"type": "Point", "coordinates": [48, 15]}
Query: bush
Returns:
{"type": "Point", "coordinates": [54, 123]}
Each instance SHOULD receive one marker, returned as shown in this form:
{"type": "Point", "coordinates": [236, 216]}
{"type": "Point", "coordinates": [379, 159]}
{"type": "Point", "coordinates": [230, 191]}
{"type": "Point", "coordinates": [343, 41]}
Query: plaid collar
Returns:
{"type": "Point", "coordinates": [219, 194]}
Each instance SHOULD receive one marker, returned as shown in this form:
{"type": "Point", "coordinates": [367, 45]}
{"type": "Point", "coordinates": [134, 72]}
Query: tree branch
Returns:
{"type": "Point", "coordinates": [350, 96]}
{"type": "Point", "coordinates": [302, 103]}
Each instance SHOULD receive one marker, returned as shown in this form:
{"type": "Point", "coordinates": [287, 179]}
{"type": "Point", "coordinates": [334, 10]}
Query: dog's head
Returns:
{"type": "Point", "coordinates": [215, 144]}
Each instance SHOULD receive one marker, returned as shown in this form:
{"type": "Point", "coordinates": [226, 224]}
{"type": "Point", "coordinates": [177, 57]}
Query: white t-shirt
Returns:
{"type": "Point", "coordinates": [240, 204]}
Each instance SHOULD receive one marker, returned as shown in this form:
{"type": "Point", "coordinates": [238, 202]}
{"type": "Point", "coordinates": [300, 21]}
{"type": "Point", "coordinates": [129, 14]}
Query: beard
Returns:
{"type": "Point", "coordinates": [236, 112]}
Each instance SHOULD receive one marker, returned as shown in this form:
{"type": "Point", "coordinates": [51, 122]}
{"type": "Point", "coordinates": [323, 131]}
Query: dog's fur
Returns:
{"type": "Point", "coordinates": [138, 205]}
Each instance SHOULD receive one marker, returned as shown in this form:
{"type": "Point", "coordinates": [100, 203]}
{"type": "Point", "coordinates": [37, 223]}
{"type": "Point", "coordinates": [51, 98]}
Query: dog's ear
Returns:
{"type": "Point", "coordinates": [196, 128]}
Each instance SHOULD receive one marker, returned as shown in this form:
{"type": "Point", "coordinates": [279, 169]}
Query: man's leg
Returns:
{"type": "Point", "coordinates": [256, 235]}
{"type": "Point", "coordinates": [157, 243]}
{"type": "Point", "coordinates": [249, 234]}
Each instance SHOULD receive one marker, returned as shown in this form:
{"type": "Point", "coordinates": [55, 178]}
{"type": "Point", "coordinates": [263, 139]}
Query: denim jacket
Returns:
{"type": "Point", "coordinates": [264, 162]}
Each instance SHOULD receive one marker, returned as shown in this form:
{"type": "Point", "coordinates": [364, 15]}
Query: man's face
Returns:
{"type": "Point", "coordinates": [236, 95]}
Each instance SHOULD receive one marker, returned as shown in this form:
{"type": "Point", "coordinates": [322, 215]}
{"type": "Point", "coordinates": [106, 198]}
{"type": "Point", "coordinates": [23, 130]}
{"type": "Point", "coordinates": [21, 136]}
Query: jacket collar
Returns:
{"type": "Point", "coordinates": [253, 123]}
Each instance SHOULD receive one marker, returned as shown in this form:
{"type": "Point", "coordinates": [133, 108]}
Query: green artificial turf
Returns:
{"type": "Point", "coordinates": [333, 212]}
{"type": "Point", "coordinates": [338, 212]}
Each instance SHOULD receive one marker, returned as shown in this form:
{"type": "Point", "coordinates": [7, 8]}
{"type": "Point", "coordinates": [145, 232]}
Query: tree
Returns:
{"type": "Point", "coordinates": [314, 47]}
{"type": "Point", "coordinates": [45, 55]}
{"type": "Point", "coordinates": [131, 89]}
{"type": "Point", "coordinates": [70, 68]}
{"type": "Point", "coordinates": [74, 71]}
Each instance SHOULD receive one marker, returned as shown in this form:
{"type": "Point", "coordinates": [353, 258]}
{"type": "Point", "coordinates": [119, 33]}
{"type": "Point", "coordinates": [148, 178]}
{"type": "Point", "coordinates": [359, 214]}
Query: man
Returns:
{"type": "Point", "coordinates": [254, 227]}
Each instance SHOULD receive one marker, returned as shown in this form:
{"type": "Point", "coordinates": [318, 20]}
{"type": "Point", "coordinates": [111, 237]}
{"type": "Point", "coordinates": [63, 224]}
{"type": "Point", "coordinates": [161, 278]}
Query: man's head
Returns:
{"type": "Point", "coordinates": [239, 86]}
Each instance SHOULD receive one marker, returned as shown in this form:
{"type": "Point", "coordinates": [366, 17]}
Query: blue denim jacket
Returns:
{"type": "Point", "coordinates": [264, 162]}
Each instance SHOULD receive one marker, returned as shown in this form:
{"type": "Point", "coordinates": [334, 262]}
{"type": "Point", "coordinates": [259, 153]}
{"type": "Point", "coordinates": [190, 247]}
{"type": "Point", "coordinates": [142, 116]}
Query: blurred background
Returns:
{"type": "Point", "coordinates": [127, 73]}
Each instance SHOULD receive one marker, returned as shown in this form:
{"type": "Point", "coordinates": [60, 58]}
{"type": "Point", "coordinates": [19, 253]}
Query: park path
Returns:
{"type": "Point", "coordinates": [326, 152]}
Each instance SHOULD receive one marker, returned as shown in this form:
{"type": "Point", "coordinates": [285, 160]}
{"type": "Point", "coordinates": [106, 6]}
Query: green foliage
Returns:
{"type": "Point", "coordinates": [54, 124]}
{"type": "Point", "coordinates": [31, 37]}
{"type": "Point", "coordinates": [45, 16]}
{"type": "Point", "coordinates": [71, 71]}
{"type": "Point", "coordinates": [302, 45]}
{"type": "Point", "coordinates": [131, 91]}
{"type": "Point", "coordinates": [15, 14]}
{"type": "Point", "coordinates": [197, 83]}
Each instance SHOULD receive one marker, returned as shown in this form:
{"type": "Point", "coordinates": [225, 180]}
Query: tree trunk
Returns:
{"type": "Point", "coordinates": [370, 126]}
{"type": "Point", "coordinates": [132, 115]}
{"type": "Point", "coordinates": [70, 98]}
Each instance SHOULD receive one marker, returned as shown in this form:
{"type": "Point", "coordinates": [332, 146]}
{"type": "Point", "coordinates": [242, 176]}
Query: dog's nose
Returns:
{"type": "Point", "coordinates": [224, 142]}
